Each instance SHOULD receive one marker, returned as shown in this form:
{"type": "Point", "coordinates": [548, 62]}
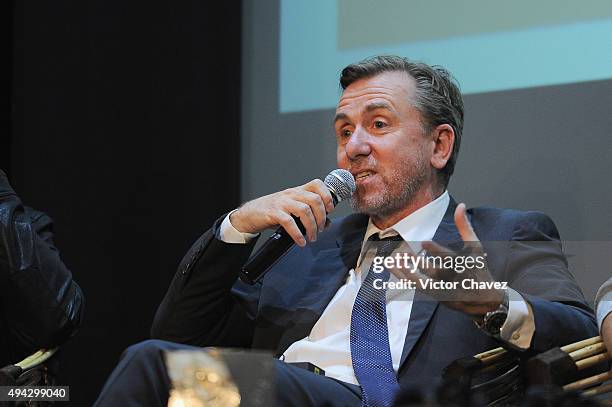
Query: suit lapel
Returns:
{"type": "Point", "coordinates": [423, 306]}
{"type": "Point", "coordinates": [324, 279]}
{"type": "Point", "coordinates": [327, 274]}
{"type": "Point", "coordinates": [329, 271]}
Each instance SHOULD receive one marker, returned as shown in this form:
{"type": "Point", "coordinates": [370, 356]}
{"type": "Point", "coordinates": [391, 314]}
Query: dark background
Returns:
{"type": "Point", "coordinates": [124, 128]}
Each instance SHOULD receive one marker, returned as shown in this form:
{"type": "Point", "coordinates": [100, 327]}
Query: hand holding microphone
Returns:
{"type": "Point", "coordinates": [309, 202]}
{"type": "Point", "coordinates": [297, 210]}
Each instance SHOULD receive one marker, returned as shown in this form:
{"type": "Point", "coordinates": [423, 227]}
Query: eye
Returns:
{"type": "Point", "coordinates": [379, 124]}
{"type": "Point", "coordinates": [346, 133]}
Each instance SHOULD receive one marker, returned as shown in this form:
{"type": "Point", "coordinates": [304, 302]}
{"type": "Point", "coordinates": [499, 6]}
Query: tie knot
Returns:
{"type": "Point", "coordinates": [386, 245]}
{"type": "Point", "coordinates": [376, 238]}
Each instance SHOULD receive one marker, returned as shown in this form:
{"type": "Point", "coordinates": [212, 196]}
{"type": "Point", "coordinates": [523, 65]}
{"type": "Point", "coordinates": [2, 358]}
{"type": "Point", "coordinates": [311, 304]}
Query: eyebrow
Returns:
{"type": "Point", "coordinates": [369, 108]}
{"type": "Point", "coordinates": [379, 105]}
{"type": "Point", "coordinates": [340, 116]}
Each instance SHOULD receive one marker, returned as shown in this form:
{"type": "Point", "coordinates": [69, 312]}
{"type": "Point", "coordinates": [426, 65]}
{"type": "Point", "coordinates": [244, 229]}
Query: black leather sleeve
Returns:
{"type": "Point", "coordinates": [40, 304]}
{"type": "Point", "coordinates": [203, 306]}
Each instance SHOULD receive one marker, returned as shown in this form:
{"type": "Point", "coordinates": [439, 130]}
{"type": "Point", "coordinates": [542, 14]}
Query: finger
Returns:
{"type": "Point", "coordinates": [435, 249]}
{"type": "Point", "coordinates": [302, 210]}
{"type": "Point", "coordinates": [288, 223]}
{"type": "Point", "coordinates": [317, 206]}
{"type": "Point", "coordinates": [399, 273]}
{"type": "Point", "coordinates": [328, 223]}
{"type": "Point", "coordinates": [318, 187]}
{"type": "Point", "coordinates": [438, 261]}
{"type": "Point", "coordinates": [433, 267]}
{"type": "Point", "coordinates": [404, 274]}
{"type": "Point", "coordinates": [454, 263]}
{"type": "Point", "coordinates": [464, 227]}
{"type": "Point", "coordinates": [427, 269]}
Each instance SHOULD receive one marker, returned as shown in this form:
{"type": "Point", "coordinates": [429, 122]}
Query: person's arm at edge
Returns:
{"type": "Point", "coordinates": [42, 304]}
{"type": "Point", "coordinates": [603, 304]}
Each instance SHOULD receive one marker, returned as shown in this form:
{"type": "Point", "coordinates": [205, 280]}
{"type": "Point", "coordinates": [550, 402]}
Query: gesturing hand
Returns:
{"type": "Point", "coordinates": [469, 264]}
{"type": "Point", "coordinates": [310, 203]}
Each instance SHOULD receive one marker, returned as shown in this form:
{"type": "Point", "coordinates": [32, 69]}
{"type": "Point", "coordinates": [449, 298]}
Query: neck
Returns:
{"type": "Point", "coordinates": [422, 198]}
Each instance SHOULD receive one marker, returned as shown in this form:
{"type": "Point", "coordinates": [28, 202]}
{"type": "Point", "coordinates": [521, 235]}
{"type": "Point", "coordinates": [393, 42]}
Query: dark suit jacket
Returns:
{"type": "Point", "coordinates": [207, 306]}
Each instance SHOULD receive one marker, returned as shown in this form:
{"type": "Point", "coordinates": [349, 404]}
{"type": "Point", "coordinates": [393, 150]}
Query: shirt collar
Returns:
{"type": "Point", "coordinates": [419, 225]}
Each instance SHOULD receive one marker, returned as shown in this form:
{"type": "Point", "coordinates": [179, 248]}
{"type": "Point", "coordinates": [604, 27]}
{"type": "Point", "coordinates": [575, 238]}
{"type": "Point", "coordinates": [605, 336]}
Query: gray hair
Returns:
{"type": "Point", "coordinates": [437, 96]}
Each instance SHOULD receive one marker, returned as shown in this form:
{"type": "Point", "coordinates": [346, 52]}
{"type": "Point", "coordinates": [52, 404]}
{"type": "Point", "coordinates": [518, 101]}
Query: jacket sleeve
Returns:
{"type": "Point", "coordinates": [40, 303]}
{"type": "Point", "coordinates": [206, 304]}
{"type": "Point", "coordinates": [538, 269]}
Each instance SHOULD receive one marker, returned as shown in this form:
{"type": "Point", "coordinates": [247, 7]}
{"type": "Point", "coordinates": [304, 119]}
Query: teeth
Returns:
{"type": "Point", "coordinates": [363, 174]}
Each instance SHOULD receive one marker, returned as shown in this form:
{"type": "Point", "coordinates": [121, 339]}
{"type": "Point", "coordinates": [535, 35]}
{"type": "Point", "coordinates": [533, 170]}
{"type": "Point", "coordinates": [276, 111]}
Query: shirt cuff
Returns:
{"type": "Point", "coordinates": [604, 307]}
{"type": "Point", "coordinates": [229, 234]}
{"type": "Point", "coordinates": [520, 324]}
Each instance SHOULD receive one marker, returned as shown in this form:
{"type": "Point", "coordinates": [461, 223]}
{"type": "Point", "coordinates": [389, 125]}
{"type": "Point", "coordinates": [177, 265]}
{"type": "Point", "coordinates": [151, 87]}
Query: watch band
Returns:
{"type": "Point", "coordinates": [493, 320]}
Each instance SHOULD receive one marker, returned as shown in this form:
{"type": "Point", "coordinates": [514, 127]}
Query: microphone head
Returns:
{"type": "Point", "coordinates": [341, 183]}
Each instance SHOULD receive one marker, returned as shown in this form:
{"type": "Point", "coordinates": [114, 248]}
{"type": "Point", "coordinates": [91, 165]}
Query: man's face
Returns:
{"type": "Point", "coordinates": [381, 142]}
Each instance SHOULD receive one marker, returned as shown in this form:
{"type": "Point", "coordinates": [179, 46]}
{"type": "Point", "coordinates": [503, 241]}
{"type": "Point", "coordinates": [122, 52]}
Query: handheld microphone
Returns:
{"type": "Point", "coordinates": [341, 185]}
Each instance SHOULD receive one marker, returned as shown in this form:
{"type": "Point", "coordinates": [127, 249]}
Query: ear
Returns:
{"type": "Point", "coordinates": [443, 137]}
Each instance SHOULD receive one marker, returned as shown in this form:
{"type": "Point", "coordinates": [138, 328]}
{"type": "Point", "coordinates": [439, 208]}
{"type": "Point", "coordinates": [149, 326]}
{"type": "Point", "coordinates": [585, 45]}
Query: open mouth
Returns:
{"type": "Point", "coordinates": [363, 175]}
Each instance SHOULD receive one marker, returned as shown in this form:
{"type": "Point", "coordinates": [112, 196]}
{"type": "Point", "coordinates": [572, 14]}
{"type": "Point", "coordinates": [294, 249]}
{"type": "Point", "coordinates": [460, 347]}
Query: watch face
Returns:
{"type": "Point", "coordinates": [495, 321]}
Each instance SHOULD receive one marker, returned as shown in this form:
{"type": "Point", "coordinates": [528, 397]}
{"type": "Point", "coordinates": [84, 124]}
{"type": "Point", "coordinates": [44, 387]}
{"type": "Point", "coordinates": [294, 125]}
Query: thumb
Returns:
{"type": "Point", "coordinates": [464, 227]}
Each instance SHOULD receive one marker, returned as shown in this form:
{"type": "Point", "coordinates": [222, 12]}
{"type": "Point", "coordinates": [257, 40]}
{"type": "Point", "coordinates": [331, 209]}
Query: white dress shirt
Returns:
{"type": "Point", "coordinates": [328, 344]}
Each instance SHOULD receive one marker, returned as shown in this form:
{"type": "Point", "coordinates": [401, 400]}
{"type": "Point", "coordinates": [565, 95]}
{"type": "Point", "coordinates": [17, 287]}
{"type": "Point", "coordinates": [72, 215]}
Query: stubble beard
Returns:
{"type": "Point", "coordinates": [401, 185]}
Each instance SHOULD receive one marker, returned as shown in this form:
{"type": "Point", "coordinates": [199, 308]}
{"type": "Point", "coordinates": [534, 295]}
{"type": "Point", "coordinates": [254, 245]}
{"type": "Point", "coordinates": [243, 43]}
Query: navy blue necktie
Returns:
{"type": "Point", "coordinates": [370, 351]}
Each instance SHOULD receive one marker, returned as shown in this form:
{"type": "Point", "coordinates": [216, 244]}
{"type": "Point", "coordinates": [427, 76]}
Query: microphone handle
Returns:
{"type": "Point", "coordinates": [275, 247]}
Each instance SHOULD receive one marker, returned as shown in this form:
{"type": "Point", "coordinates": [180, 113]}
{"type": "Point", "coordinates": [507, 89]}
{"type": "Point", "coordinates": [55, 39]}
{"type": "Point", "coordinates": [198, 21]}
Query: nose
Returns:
{"type": "Point", "coordinates": [358, 144]}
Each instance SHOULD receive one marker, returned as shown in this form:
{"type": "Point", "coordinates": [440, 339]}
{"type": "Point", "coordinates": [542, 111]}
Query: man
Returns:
{"type": "Point", "coordinates": [40, 304]}
{"type": "Point", "coordinates": [398, 128]}
{"type": "Point", "coordinates": [603, 304]}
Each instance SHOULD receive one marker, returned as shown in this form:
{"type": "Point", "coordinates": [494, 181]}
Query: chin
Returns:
{"type": "Point", "coordinates": [379, 203]}
{"type": "Point", "coordinates": [372, 206]}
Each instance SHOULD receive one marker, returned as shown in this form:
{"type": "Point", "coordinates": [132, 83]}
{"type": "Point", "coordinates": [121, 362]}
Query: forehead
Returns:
{"type": "Point", "coordinates": [395, 88]}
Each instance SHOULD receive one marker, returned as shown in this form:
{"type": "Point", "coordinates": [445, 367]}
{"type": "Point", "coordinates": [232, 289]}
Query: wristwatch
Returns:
{"type": "Point", "coordinates": [493, 321]}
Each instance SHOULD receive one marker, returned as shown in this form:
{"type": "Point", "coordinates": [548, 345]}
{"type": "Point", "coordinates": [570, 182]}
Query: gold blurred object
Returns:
{"type": "Point", "coordinates": [200, 379]}
{"type": "Point", "coordinates": [184, 398]}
